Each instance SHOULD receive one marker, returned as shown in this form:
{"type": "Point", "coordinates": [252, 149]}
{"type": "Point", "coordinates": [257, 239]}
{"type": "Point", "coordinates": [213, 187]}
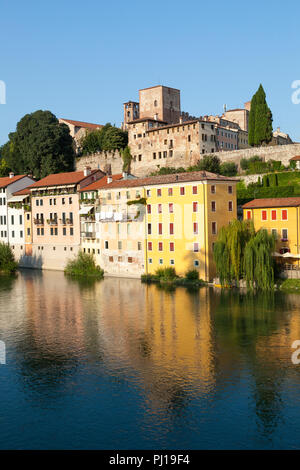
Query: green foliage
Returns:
{"type": "Point", "coordinates": [265, 181]}
{"type": "Point", "coordinates": [192, 275]}
{"type": "Point", "coordinates": [228, 169]}
{"type": "Point", "coordinates": [40, 146]}
{"type": "Point", "coordinates": [166, 274]}
{"type": "Point", "coordinates": [168, 171]}
{"type": "Point", "coordinates": [4, 168]}
{"type": "Point", "coordinates": [241, 253]}
{"type": "Point", "coordinates": [292, 164]}
{"type": "Point", "coordinates": [258, 261]}
{"type": "Point", "coordinates": [127, 158]}
{"type": "Point", "coordinates": [260, 120]}
{"type": "Point", "coordinates": [107, 138]}
{"type": "Point", "coordinates": [255, 192]}
{"type": "Point", "coordinates": [139, 201]}
{"type": "Point", "coordinates": [291, 285]}
{"type": "Point", "coordinates": [208, 163]}
{"type": "Point", "coordinates": [84, 265]}
{"type": "Point", "coordinates": [8, 264]}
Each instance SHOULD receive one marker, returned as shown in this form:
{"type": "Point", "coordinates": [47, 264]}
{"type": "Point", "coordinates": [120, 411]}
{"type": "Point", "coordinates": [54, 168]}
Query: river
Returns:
{"type": "Point", "coordinates": [116, 364]}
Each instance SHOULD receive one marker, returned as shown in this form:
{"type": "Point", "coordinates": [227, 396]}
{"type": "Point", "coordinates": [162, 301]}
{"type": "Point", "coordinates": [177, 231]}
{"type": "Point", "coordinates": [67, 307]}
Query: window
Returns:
{"type": "Point", "coordinates": [195, 206]}
{"type": "Point", "coordinates": [106, 245]}
{"type": "Point", "coordinates": [148, 192]}
{"type": "Point", "coordinates": [230, 190]}
{"type": "Point", "coordinates": [196, 263]}
{"type": "Point", "coordinates": [213, 206]}
{"type": "Point", "coordinates": [182, 191]}
{"type": "Point", "coordinates": [38, 231]}
{"type": "Point", "coordinates": [139, 246]}
{"type": "Point", "coordinates": [171, 208]}
{"type": "Point", "coordinates": [230, 206]}
{"type": "Point", "coordinates": [248, 215]}
{"type": "Point", "coordinates": [159, 192]}
{"type": "Point", "coordinates": [28, 231]}
{"type": "Point", "coordinates": [20, 219]}
{"type": "Point", "coordinates": [170, 192]}
{"type": "Point", "coordinates": [196, 247]}
{"type": "Point", "coordinates": [273, 214]}
{"type": "Point", "coordinates": [284, 234]}
{"type": "Point", "coordinates": [263, 215]}
{"type": "Point", "coordinates": [195, 228]}
{"type": "Point", "coordinates": [149, 208]}
{"type": "Point", "coordinates": [64, 231]}
{"type": "Point", "coordinates": [111, 259]}
{"type": "Point", "coordinates": [150, 260]}
{"type": "Point", "coordinates": [160, 229]}
{"type": "Point", "coordinates": [63, 201]}
{"type": "Point", "coordinates": [150, 246]}
{"type": "Point", "coordinates": [172, 262]}
{"type": "Point", "coordinates": [55, 231]}
{"type": "Point", "coordinates": [119, 245]}
{"type": "Point", "coordinates": [149, 229]}
{"type": "Point", "coordinates": [160, 246]}
{"type": "Point", "coordinates": [274, 232]}
{"type": "Point", "coordinates": [161, 261]}
{"type": "Point", "coordinates": [51, 231]}
{"type": "Point", "coordinates": [195, 190]}
{"type": "Point", "coordinates": [172, 246]}
{"type": "Point", "coordinates": [42, 231]}
{"type": "Point", "coordinates": [12, 220]}
{"type": "Point", "coordinates": [159, 208]}
{"type": "Point", "coordinates": [171, 228]}
{"type": "Point", "coordinates": [37, 202]}
{"type": "Point", "coordinates": [213, 189]}
{"type": "Point", "coordinates": [50, 202]}
{"type": "Point", "coordinates": [71, 231]}
{"type": "Point", "coordinates": [214, 228]}
{"type": "Point", "coordinates": [70, 200]}
{"type": "Point", "coordinates": [130, 259]}
{"type": "Point", "coordinates": [284, 214]}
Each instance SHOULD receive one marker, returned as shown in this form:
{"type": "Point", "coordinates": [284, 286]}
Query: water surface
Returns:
{"type": "Point", "coordinates": [121, 365]}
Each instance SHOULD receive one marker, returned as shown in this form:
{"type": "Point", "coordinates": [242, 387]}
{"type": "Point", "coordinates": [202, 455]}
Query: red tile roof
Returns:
{"type": "Point", "coordinates": [172, 178]}
{"type": "Point", "coordinates": [273, 202]}
{"type": "Point", "coordinates": [101, 183]}
{"type": "Point", "coordinates": [58, 179]}
{"type": "Point", "coordinates": [297, 157]}
{"type": "Point", "coordinates": [6, 180]}
{"type": "Point", "coordinates": [83, 124]}
{"type": "Point", "coordinates": [23, 191]}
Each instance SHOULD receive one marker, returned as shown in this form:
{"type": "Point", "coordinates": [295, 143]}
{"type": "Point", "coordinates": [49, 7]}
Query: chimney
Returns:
{"type": "Point", "coordinates": [125, 175]}
{"type": "Point", "coordinates": [109, 179]}
{"type": "Point", "coordinates": [11, 174]}
{"type": "Point", "coordinates": [180, 120]}
{"type": "Point", "coordinates": [87, 171]}
{"type": "Point", "coordinates": [155, 116]}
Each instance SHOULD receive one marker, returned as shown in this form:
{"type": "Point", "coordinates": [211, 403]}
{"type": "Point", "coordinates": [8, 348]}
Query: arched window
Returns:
{"type": "Point", "coordinates": [155, 102]}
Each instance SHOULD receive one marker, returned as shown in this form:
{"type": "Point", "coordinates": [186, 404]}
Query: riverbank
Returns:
{"type": "Point", "coordinates": [173, 282]}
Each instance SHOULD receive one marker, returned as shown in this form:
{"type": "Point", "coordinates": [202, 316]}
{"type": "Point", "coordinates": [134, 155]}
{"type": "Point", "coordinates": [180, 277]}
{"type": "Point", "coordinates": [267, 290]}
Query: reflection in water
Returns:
{"type": "Point", "coordinates": [120, 364]}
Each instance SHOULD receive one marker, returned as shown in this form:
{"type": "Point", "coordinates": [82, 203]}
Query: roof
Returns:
{"type": "Point", "coordinates": [297, 157]}
{"type": "Point", "coordinates": [99, 184]}
{"type": "Point", "coordinates": [178, 124]}
{"type": "Point", "coordinates": [273, 202]}
{"type": "Point", "coordinates": [57, 179]}
{"type": "Point", "coordinates": [24, 191]}
{"type": "Point", "coordinates": [7, 180]}
{"type": "Point", "coordinates": [17, 198]}
{"type": "Point", "coordinates": [169, 179]}
{"type": "Point", "coordinates": [82, 124]}
{"type": "Point", "coordinates": [158, 86]}
{"type": "Point", "coordinates": [145, 119]}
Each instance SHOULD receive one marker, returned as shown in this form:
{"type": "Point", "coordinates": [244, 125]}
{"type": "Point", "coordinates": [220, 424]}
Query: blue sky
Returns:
{"type": "Point", "coordinates": [82, 60]}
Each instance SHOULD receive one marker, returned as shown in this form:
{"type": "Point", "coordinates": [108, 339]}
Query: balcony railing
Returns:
{"type": "Point", "coordinates": [38, 221]}
{"type": "Point", "coordinates": [90, 235]}
{"type": "Point", "coordinates": [52, 221]}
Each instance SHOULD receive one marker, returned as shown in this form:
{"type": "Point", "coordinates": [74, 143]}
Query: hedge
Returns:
{"type": "Point", "coordinates": [246, 195]}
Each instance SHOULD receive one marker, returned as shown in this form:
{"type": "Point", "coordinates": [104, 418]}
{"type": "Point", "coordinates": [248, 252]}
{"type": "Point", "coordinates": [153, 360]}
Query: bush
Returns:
{"type": "Point", "coordinates": [84, 265]}
{"type": "Point", "coordinates": [228, 169]}
{"type": "Point", "coordinates": [166, 274]}
{"type": "Point", "coordinates": [209, 163]}
{"type": "Point", "coordinates": [291, 285]}
{"type": "Point", "coordinates": [244, 163]}
{"type": "Point", "coordinates": [192, 275]}
{"type": "Point", "coordinates": [8, 263]}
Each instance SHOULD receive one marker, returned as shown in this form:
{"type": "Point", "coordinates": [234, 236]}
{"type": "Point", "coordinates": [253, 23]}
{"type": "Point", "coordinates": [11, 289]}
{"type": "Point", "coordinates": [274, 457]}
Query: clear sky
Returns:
{"type": "Point", "coordinates": [83, 59]}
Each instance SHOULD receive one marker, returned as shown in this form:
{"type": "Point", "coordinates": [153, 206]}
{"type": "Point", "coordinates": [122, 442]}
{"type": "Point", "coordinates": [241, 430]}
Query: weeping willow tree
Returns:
{"type": "Point", "coordinates": [241, 253]}
{"type": "Point", "coordinates": [258, 261]}
{"type": "Point", "coordinates": [229, 250]}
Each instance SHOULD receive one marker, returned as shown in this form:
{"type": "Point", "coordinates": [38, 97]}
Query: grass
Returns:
{"type": "Point", "coordinates": [291, 285]}
{"type": "Point", "coordinates": [168, 276]}
{"type": "Point", "coordinates": [84, 266]}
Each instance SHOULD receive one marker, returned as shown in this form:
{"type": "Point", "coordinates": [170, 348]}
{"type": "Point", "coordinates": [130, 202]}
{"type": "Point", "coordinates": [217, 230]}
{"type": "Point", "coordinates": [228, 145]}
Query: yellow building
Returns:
{"type": "Point", "coordinates": [281, 217]}
{"type": "Point", "coordinates": [176, 223]}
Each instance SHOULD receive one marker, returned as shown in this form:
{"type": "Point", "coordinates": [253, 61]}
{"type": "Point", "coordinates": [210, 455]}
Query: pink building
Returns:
{"type": "Point", "coordinates": [55, 217]}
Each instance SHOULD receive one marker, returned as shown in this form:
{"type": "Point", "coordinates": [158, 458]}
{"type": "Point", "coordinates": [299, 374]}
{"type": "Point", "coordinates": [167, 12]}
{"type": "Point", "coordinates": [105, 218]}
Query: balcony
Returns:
{"type": "Point", "coordinates": [89, 235]}
{"type": "Point", "coordinates": [52, 221]}
{"type": "Point", "coordinates": [38, 221]}
{"type": "Point", "coordinates": [69, 221]}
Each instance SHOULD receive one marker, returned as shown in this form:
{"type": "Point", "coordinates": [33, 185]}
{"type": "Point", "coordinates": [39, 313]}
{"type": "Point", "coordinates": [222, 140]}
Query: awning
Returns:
{"type": "Point", "coordinates": [85, 209]}
{"type": "Point", "coordinates": [18, 198]}
{"type": "Point", "coordinates": [287, 255]}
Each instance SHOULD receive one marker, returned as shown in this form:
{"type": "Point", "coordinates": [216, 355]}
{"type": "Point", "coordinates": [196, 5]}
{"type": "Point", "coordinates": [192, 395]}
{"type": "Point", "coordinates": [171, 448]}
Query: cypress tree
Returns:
{"type": "Point", "coordinates": [260, 119]}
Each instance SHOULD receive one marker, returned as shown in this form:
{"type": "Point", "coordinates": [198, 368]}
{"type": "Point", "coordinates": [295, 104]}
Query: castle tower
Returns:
{"type": "Point", "coordinates": [160, 102]}
{"type": "Point", "coordinates": [131, 112]}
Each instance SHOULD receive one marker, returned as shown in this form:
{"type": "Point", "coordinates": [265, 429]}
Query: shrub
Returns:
{"type": "Point", "coordinates": [192, 275]}
{"type": "Point", "coordinates": [166, 274]}
{"type": "Point", "coordinates": [84, 265]}
{"type": "Point", "coordinates": [228, 169]}
{"type": "Point", "coordinates": [7, 260]}
{"type": "Point", "coordinates": [244, 163]}
{"type": "Point", "coordinates": [209, 163]}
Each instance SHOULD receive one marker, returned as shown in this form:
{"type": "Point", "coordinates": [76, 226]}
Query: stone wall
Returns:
{"type": "Point", "coordinates": [114, 162]}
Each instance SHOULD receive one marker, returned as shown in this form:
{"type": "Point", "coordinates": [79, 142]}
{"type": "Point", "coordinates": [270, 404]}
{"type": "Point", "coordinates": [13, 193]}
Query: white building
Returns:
{"type": "Point", "coordinates": [12, 219]}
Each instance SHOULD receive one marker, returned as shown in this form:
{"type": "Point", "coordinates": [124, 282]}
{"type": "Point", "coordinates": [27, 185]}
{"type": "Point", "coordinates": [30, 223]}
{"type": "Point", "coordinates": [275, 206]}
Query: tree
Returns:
{"type": "Point", "coordinates": [126, 155]}
{"type": "Point", "coordinates": [209, 163]}
{"type": "Point", "coordinates": [4, 168]}
{"type": "Point", "coordinates": [107, 138]}
{"type": "Point", "coordinates": [260, 120]}
{"type": "Point", "coordinates": [40, 146]}
{"type": "Point", "coordinates": [239, 253]}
